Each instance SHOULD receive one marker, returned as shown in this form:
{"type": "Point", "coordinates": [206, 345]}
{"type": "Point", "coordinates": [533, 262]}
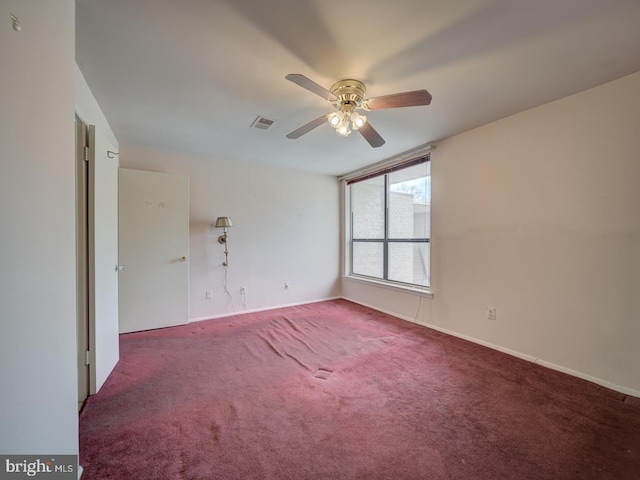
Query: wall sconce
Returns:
{"type": "Point", "coordinates": [224, 223]}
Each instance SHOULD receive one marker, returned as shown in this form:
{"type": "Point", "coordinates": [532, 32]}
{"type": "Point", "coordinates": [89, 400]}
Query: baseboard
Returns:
{"type": "Point", "coordinates": [264, 309]}
{"type": "Point", "coordinates": [530, 358]}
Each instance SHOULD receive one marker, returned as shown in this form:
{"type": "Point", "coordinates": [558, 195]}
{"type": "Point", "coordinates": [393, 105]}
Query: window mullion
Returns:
{"type": "Point", "coordinates": [385, 248]}
{"type": "Point", "coordinates": [351, 228]}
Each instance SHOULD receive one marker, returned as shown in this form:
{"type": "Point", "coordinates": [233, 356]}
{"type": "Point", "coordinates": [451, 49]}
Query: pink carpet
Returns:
{"type": "Point", "coordinates": [334, 390]}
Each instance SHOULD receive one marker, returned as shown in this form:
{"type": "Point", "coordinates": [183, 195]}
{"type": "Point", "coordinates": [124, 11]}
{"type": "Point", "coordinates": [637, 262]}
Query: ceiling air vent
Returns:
{"type": "Point", "coordinates": [262, 123]}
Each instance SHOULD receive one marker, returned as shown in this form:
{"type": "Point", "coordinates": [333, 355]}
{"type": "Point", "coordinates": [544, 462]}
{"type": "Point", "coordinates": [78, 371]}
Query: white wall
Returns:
{"type": "Point", "coordinates": [104, 344]}
{"type": "Point", "coordinates": [537, 215]}
{"type": "Point", "coordinates": [285, 230]}
{"type": "Point", "coordinates": [38, 372]}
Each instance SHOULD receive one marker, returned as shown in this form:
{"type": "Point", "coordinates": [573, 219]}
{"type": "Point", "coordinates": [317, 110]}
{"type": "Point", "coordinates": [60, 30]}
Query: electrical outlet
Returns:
{"type": "Point", "coordinates": [491, 313]}
{"type": "Point", "coordinates": [208, 294]}
{"type": "Point", "coordinates": [243, 291]}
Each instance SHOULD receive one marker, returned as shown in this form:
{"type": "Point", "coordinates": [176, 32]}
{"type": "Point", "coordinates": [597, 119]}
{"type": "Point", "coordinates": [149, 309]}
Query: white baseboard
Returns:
{"type": "Point", "coordinates": [514, 353]}
{"type": "Point", "coordinates": [264, 309]}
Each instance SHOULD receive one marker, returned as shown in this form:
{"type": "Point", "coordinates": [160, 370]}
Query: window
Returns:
{"type": "Point", "coordinates": [390, 224]}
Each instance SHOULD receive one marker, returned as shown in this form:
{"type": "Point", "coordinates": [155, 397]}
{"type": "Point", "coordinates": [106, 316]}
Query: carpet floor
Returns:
{"type": "Point", "coordinates": [334, 390]}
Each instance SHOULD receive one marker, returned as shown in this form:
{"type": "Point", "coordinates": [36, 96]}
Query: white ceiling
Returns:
{"type": "Point", "coordinates": [192, 75]}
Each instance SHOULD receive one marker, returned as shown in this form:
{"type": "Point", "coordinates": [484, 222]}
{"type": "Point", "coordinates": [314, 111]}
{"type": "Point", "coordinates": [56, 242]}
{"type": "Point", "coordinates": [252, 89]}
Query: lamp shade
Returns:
{"type": "Point", "coordinates": [223, 222]}
{"type": "Point", "coordinates": [335, 120]}
{"type": "Point", "coordinates": [357, 120]}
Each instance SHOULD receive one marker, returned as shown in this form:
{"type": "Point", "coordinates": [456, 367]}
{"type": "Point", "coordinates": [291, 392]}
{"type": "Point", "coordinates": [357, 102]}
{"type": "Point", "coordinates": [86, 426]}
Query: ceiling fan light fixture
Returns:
{"type": "Point", "coordinates": [335, 120]}
{"type": "Point", "coordinates": [343, 130]}
{"type": "Point", "coordinates": [357, 120]}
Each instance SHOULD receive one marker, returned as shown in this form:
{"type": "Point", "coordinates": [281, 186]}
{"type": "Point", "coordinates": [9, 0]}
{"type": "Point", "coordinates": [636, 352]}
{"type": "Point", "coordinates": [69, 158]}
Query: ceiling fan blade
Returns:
{"type": "Point", "coordinates": [308, 127]}
{"type": "Point", "coordinates": [370, 135]}
{"type": "Point", "coordinates": [406, 99]}
{"type": "Point", "coordinates": [312, 86]}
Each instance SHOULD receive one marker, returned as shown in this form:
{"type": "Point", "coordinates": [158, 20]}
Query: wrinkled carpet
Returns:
{"type": "Point", "coordinates": [334, 390]}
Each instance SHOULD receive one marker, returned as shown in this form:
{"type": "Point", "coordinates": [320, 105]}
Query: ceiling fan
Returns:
{"type": "Point", "coordinates": [348, 96]}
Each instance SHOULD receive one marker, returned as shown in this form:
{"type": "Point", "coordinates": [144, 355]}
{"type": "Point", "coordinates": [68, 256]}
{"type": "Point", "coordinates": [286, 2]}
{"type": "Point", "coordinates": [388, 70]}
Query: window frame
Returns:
{"type": "Point", "coordinates": [386, 240]}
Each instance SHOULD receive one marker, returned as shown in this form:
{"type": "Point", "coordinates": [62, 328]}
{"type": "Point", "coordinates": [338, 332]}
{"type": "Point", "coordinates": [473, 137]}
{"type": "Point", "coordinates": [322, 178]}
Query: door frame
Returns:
{"type": "Point", "coordinates": [85, 259]}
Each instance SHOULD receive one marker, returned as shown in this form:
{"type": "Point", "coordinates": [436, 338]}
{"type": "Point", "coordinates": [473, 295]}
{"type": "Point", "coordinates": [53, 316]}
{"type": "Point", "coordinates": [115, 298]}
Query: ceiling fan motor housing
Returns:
{"type": "Point", "coordinates": [349, 92]}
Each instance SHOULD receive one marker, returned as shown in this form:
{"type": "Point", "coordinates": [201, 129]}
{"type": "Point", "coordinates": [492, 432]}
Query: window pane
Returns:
{"type": "Point", "coordinates": [368, 259]}
{"type": "Point", "coordinates": [410, 202]}
{"type": "Point", "coordinates": [409, 262]}
{"type": "Point", "coordinates": [367, 205]}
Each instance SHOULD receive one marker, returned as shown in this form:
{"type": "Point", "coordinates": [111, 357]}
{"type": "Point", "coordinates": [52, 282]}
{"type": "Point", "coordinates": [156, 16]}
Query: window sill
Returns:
{"type": "Point", "coordinates": [424, 291]}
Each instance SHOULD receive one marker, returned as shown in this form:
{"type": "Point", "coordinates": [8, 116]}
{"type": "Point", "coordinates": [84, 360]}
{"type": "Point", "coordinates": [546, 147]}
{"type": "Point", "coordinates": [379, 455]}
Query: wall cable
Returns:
{"type": "Point", "coordinates": [226, 289]}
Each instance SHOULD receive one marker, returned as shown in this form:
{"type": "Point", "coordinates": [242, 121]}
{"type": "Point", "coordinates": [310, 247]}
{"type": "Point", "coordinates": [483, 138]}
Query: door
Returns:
{"type": "Point", "coordinates": [85, 136]}
{"type": "Point", "coordinates": [153, 210]}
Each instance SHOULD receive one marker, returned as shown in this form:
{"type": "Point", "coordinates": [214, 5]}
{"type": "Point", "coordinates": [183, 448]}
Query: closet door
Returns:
{"type": "Point", "coordinates": [153, 250]}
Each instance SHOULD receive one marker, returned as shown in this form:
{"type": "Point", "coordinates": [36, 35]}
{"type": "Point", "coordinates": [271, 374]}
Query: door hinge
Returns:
{"type": "Point", "coordinates": [87, 358]}
{"type": "Point", "coordinates": [86, 154]}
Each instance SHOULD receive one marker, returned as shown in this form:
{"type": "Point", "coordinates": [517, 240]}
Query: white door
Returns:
{"type": "Point", "coordinates": [153, 250]}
